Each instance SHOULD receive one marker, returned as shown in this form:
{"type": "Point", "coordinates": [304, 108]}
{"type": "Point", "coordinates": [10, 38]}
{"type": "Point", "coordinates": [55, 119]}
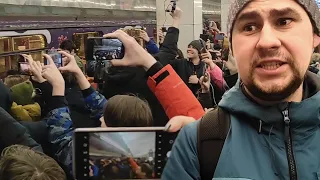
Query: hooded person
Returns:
{"type": "Point", "coordinates": [132, 80]}
{"type": "Point", "coordinates": [23, 107]}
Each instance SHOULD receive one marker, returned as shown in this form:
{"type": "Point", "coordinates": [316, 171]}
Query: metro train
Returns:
{"type": "Point", "coordinates": [33, 27]}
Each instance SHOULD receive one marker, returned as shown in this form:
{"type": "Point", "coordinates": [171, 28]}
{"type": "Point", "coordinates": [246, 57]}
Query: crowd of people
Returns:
{"type": "Point", "coordinates": [263, 76]}
{"type": "Point", "coordinates": [122, 168]}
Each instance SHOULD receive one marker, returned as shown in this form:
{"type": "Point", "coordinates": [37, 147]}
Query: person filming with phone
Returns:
{"type": "Point", "coordinates": [111, 113]}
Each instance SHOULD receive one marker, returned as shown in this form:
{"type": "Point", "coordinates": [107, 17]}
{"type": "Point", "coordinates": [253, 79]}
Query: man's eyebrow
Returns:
{"type": "Point", "coordinates": [248, 16]}
{"type": "Point", "coordinates": [284, 12]}
{"type": "Point", "coordinates": [272, 13]}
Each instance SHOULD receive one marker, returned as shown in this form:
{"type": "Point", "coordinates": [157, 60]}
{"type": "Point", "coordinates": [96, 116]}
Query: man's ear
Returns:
{"type": "Point", "coordinates": [316, 40]}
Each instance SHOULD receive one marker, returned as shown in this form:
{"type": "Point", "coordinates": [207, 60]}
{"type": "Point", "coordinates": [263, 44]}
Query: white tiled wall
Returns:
{"type": "Point", "coordinates": [225, 4]}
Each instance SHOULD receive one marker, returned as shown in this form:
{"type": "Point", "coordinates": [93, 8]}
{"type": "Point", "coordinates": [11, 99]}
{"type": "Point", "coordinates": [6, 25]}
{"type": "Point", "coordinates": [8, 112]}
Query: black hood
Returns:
{"type": "Point", "coordinates": [123, 74]}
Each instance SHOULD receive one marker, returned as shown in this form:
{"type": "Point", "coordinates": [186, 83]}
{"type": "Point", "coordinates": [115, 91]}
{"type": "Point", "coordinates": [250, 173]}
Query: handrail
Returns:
{"type": "Point", "coordinates": [12, 53]}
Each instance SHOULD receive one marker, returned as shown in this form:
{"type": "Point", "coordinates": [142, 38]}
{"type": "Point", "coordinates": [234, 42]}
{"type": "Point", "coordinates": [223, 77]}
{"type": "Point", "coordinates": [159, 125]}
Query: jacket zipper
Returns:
{"type": "Point", "coordinates": [288, 143]}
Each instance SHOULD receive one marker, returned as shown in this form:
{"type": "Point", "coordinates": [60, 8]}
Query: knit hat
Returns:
{"type": "Point", "coordinates": [22, 93]}
{"type": "Point", "coordinates": [196, 44]}
{"type": "Point", "coordinates": [309, 6]}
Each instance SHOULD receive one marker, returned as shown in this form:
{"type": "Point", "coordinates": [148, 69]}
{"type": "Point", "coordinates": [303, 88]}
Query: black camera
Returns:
{"type": "Point", "coordinates": [173, 6]}
{"type": "Point", "coordinates": [99, 52]}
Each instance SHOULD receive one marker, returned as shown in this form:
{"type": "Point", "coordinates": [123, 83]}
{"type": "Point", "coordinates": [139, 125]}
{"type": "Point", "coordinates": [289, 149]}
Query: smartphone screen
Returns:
{"type": "Point", "coordinates": [24, 68]}
{"type": "Point", "coordinates": [100, 49]}
{"type": "Point", "coordinates": [56, 57]}
{"type": "Point", "coordinates": [219, 37]}
{"type": "Point", "coordinates": [123, 155]}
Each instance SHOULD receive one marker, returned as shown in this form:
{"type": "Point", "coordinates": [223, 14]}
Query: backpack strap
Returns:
{"type": "Point", "coordinates": [212, 132]}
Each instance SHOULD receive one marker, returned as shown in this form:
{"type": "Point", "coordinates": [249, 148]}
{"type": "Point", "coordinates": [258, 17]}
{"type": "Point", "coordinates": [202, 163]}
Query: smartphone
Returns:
{"type": "Point", "coordinates": [24, 68]}
{"type": "Point", "coordinates": [204, 47]}
{"type": "Point", "coordinates": [141, 152]}
{"type": "Point", "coordinates": [100, 49]}
{"type": "Point", "coordinates": [56, 57]}
{"type": "Point", "coordinates": [219, 37]}
{"type": "Point", "coordinates": [164, 29]}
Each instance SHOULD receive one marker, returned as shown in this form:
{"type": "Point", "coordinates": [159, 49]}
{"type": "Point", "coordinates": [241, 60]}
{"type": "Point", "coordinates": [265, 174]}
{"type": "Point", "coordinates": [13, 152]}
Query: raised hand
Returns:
{"type": "Point", "coordinates": [177, 122]}
{"type": "Point", "coordinates": [35, 68]}
{"type": "Point", "coordinates": [135, 55]}
{"type": "Point", "coordinates": [161, 36]}
{"type": "Point", "coordinates": [205, 84]}
{"type": "Point", "coordinates": [54, 77]}
{"type": "Point", "coordinates": [144, 36]}
{"type": "Point", "coordinates": [69, 63]}
{"type": "Point", "coordinates": [193, 79]}
{"type": "Point", "coordinates": [176, 14]}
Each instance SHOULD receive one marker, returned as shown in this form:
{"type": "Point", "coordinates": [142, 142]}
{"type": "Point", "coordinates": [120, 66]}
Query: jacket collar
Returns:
{"type": "Point", "coordinates": [302, 114]}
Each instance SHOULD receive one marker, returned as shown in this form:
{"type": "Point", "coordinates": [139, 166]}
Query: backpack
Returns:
{"type": "Point", "coordinates": [212, 132]}
{"type": "Point", "coordinates": [213, 129]}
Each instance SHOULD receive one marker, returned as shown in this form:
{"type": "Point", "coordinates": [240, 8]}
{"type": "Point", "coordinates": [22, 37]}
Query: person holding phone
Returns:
{"type": "Point", "coordinates": [59, 120]}
{"type": "Point", "coordinates": [69, 47]}
{"type": "Point", "coordinates": [150, 45]}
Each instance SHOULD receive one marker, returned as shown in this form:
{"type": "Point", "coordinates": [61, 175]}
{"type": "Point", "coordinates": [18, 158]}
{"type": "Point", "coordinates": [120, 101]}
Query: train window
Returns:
{"type": "Point", "coordinates": [80, 39]}
{"type": "Point", "coordinates": [11, 47]}
{"type": "Point", "coordinates": [22, 43]}
{"type": "Point", "coordinates": [5, 45]}
{"type": "Point", "coordinates": [2, 65]}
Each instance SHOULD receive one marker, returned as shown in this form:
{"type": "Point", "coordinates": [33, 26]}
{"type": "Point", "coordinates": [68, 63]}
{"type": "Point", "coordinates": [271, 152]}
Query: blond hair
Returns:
{"type": "Point", "coordinates": [127, 111]}
{"type": "Point", "coordinates": [315, 58]}
{"type": "Point", "coordinates": [22, 163]}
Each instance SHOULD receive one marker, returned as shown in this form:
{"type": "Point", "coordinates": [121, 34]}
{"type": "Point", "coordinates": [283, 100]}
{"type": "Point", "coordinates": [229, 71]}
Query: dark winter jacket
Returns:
{"type": "Point", "coordinates": [284, 146]}
{"type": "Point", "coordinates": [12, 132]}
{"type": "Point", "coordinates": [133, 80]}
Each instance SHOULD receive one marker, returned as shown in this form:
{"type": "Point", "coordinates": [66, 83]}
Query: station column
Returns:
{"type": "Point", "coordinates": [225, 5]}
{"type": "Point", "coordinates": [191, 20]}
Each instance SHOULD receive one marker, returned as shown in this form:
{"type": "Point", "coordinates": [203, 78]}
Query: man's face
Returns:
{"type": "Point", "coordinates": [272, 43]}
{"type": "Point", "coordinates": [192, 52]}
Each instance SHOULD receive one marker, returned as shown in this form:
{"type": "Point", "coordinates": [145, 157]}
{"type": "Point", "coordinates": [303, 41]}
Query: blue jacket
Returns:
{"type": "Point", "coordinates": [152, 47]}
{"type": "Point", "coordinates": [61, 129]}
{"type": "Point", "coordinates": [248, 154]}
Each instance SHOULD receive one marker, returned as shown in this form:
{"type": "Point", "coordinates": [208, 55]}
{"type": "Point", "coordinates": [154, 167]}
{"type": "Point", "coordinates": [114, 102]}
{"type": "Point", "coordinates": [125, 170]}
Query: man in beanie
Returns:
{"type": "Point", "coordinates": [191, 69]}
{"type": "Point", "coordinates": [274, 107]}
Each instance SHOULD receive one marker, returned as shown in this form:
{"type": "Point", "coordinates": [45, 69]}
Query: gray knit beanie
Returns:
{"type": "Point", "coordinates": [310, 7]}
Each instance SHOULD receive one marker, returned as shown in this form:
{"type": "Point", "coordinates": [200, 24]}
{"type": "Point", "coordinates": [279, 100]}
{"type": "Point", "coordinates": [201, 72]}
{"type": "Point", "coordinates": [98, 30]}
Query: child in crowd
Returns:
{"type": "Point", "coordinates": [19, 162]}
{"type": "Point", "coordinates": [129, 111]}
{"type": "Point", "coordinates": [12, 80]}
{"type": "Point", "coordinates": [23, 107]}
